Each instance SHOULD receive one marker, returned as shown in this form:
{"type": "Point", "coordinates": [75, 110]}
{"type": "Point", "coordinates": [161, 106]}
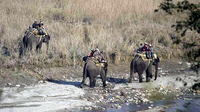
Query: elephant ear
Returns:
{"type": "Point", "coordinates": [85, 58]}
{"type": "Point", "coordinates": [106, 65]}
{"type": "Point", "coordinates": [48, 37]}
{"type": "Point", "coordinates": [158, 59]}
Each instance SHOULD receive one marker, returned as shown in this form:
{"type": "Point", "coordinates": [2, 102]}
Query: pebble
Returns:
{"type": "Point", "coordinates": [17, 85]}
{"type": "Point", "coordinates": [85, 99]}
{"type": "Point", "coordinates": [127, 104]}
{"type": "Point", "coordinates": [112, 106]}
{"type": "Point", "coordinates": [117, 96]}
{"type": "Point", "coordinates": [149, 94]}
{"type": "Point", "coordinates": [119, 106]}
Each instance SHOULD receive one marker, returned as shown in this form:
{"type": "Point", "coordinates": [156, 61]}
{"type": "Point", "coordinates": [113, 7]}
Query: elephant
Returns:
{"type": "Point", "coordinates": [31, 38]}
{"type": "Point", "coordinates": [91, 70]}
{"type": "Point", "coordinates": [139, 65]}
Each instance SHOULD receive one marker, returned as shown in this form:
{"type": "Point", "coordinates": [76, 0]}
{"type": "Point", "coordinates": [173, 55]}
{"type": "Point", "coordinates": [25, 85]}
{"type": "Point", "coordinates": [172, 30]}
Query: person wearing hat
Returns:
{"type": "Point", "coordinates": [35, 24]}
{"type": "Point", "coordinates": [140, 48]}
{"type": "Point", "coordinates": [41, 29]}
{"type": "Point", "coordinates": [92, 52]}
{"type": "Point", "coordinates": [149, 48]}
{"type": "Point", "coordinates": [144, 48]}
{"type": "Point", "coordinates": [97, 54]}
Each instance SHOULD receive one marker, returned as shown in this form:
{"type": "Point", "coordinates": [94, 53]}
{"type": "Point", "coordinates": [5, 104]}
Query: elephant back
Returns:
{"type": "Point", "coordinates": [95, 61]}
{"type": "Point", "coordinates": [142, 56]}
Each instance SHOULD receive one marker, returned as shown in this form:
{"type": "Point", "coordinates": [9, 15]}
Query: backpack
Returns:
{"type": "Point", "coordinates": [148, 54]}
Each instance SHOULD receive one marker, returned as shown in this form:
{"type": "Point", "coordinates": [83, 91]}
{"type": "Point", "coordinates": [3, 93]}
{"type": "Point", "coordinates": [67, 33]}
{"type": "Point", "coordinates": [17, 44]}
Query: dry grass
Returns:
{"type": "Point", "coordinates": [75, 26]}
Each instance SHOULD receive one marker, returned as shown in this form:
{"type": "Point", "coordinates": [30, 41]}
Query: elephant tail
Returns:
{"type": "Point", "coordinates": [85, 71]}
{"type": "Point", "coordinates": [132, 68]}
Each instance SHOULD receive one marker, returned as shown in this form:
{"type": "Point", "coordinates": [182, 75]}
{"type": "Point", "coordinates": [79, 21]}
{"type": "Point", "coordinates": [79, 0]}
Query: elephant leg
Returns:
{"type": "Point", "coordinates": [38, 47]}
{"type": "Point", "coordinates": [47, 51]}
{"type": "Point", "coordinates": [140, 76]}
{"type": "Point", "coordinates": [103, 77]}
{"type": "Point", "coordinates": [94, 82]}
{"type": "Point", "coordinates": [91, 82]}
{"type": "Point", "coordinates": [149, 73]}
{"type": "Point", "coordinates": [148, 76]}
{"type": "Point", "coordinates": [30, 47]}
{"type": "Point", "coordinates": [104, 81]}
{"type": "Point", "coordinates": [131, 76]}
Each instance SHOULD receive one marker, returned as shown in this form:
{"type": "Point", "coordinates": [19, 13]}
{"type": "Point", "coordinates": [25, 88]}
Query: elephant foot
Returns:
{"type": "Point", "coordinates": [130, 81]}
{"type": "Point", "coordinates": [81, 86]}
{"type": "Point", "coordinates": [148, 79]}
{"type": "Point", "coordinates": [92, 85]}
{"type": "Point", "coordinates": [104, 84]}
{"type": "Point", "coordinates": [140, 81]}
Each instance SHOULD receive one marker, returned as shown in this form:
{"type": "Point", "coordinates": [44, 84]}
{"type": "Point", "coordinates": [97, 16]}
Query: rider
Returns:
{"type": "Point", "coordinates": [35, 24]}
{"type": "Point", "coordinates": [41, 29]}
{"type": "Point", "coordinates": [97, 54]}
{"type": "Point", "coordinates": [92, 52]}
{"type": "Point", "coordinates": [144, 48]}
{"type": "Point", "coordinates": [140, 48]}
{"type": "Point", "coordinates": [149, 48]}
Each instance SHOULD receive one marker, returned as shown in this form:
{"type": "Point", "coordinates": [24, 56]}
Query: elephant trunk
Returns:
{"type": "Point", "coordinates": [156, 72]}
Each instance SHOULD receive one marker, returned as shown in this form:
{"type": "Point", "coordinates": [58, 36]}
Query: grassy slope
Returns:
{"type": "Point", "coordinates": [76, 26]}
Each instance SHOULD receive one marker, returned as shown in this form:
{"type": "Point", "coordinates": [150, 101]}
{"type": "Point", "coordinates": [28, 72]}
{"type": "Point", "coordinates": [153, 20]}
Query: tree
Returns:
{"type": "Point", "coordinates": [191, 22]}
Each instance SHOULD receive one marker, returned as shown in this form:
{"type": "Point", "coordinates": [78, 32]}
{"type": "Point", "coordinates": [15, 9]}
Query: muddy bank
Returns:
{"type": "Point", "coordinates": [61, 92]}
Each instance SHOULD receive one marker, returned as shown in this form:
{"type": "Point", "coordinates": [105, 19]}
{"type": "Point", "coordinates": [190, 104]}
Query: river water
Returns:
{"type": "Point", "coordinates": [65, 95]}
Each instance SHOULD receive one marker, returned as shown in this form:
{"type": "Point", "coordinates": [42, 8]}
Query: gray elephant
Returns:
{"type": "Point", "coordinates": [139, 65]}
{"type": "Point", "coordinates": [31, 39]}
{"type": "Point", "coordinates": [91, 70]}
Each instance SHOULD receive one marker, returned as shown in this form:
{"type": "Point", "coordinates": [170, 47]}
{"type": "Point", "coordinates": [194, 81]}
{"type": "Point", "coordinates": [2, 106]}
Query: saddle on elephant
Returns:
{"type": "Point", "coordinates": [35, 32]}
{"type": "Point", "coordinates": [145, 56]}
{"type": "Point", "coordinates": [97, 62]}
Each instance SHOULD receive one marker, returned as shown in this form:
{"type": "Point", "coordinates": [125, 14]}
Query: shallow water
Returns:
{"type": "Point", "coordinates": [187, 104]}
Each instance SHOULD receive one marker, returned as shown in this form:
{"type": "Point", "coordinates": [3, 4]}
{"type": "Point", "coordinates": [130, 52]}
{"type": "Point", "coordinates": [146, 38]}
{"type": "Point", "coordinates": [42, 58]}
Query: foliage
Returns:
{"type": "Point", "coordinates": [193, 10]}
{"type": "Point", "coordinates": [191, 22]}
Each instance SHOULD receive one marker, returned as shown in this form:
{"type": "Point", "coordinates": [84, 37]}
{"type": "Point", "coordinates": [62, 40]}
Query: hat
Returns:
{"type": "Point", "coordinates": [41, 23]}
{"type": "Point", "coordinates": [96, 49]}
{"type": "Point", "coordinates": [150, 45]}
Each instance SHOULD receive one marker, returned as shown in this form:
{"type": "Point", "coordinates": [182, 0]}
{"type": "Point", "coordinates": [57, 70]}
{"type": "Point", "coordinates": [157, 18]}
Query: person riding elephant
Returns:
{"type": "Point", "coordinates": [139, 65]}
{"type": "Point", "coordinates": [41, 29]}
{"type": "Point", "coordinates": [140, 48]}
{"type": "Point", "coordinates": [92, 52]}
{"type": "Point", "coordinates": [150, 49]}
{"type": "Point", "coordinates": [91, 70]}
{"type": "Point", "coordinates": [35, 24]}
{"type": "Point", "coordinates": [31, 38]}
{"type": "Point", "coordinates": [97, 54]}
